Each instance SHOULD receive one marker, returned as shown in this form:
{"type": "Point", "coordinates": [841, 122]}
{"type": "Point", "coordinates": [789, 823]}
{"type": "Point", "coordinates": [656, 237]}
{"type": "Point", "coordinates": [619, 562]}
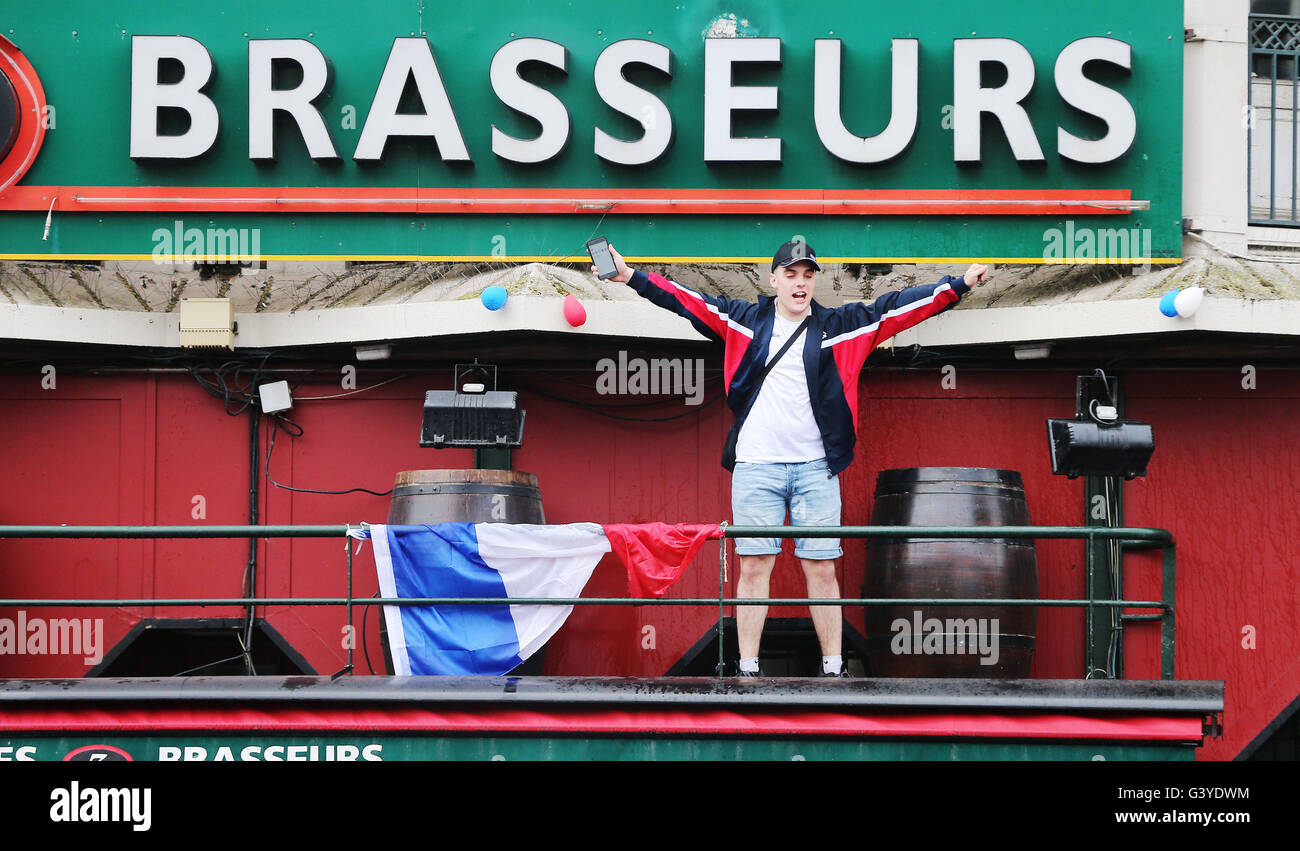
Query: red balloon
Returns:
{"type": "Point", "coordinates": [574, 312]}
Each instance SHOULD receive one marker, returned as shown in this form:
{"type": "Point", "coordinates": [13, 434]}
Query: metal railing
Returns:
{"type": "Point", "coordinates": [1133, 537]}
{"type": "Point", "coordinates": [1273, 83]}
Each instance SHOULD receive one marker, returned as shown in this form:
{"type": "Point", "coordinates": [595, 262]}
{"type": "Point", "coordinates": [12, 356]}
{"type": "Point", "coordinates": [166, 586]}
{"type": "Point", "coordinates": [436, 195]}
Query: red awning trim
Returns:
{"type": "Point", "coordinates": [1115, 727]}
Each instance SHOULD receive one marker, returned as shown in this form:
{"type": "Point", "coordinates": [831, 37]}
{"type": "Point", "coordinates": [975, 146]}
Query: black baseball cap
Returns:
{"type": "Point", "coordinates": [794, 252]}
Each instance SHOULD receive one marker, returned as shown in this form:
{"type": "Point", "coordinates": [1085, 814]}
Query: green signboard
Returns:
{"type": "Point", "coordinates": [879, 131]}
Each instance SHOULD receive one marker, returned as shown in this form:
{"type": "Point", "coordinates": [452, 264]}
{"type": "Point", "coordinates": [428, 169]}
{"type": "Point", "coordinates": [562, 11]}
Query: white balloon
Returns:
{"type": "Point", "coordinates": [1188, 300]}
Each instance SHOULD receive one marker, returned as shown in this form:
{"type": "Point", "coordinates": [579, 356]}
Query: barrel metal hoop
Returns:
{"type": "Point", "coordinates": [984, 475]}
{"type": "Point", "coordinates": [971, 488]}
{"type": "Point", "coordinates": [468, 488]}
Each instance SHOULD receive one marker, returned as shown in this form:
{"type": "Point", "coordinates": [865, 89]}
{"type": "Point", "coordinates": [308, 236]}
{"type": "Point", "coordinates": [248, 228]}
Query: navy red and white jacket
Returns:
{"type": "Point", "coordinates": [835, 346]}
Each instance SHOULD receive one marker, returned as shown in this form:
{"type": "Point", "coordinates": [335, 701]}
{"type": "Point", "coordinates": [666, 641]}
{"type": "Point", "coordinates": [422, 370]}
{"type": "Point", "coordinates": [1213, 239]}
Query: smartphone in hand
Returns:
{"type": "Point", "coordinates": [598, 248]}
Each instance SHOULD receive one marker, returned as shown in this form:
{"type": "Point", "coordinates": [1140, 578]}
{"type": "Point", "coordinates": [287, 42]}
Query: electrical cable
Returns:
{"type": "Point", "coordinates": [918, 355]}
{"type": "Point", "coordinates": [250, 571]}
{"type": "Point", "coordinates": [305, 376]}
{"type": "Point", "coordinates": [280, 421]}
{"type": "Point", "coordinates": [252, 405]}
{"type": "Point", "coordinates": [208, 665]}
{"type": "Point", "coordinates": [365, 643]}
{"type": "Point", "coordinates": [1110, 499]}
{"type": "Point", "coordinates": [1105, 382]}
{"type": "Point", "coordinates": [1112, 567]}
{"type": "Point", "coordinates": [221, 389]}
{"type": "Point", "coordinates": [244, 393]}
{"type": "Point", "coordinates": [349, 392]}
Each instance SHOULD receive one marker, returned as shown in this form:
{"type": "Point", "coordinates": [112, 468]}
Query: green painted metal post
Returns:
{"type": "Point", "coordinates": [493, 458]}
{"type": "Point", "coordinates": [1089, 627]}
{"type": "Point", "coordinates": [722, 593]}
{"type": "Point", "coordinates": [1168, 559]}
{"type": "Point", "coordinates": [1102, 625]}
{"type": "Point", "coordinates": [352, 633]}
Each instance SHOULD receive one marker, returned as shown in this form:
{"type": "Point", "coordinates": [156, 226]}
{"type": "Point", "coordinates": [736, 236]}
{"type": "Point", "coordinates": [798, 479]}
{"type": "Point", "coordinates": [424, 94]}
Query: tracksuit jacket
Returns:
{"type": "Point", "coordinates": [835, 346]}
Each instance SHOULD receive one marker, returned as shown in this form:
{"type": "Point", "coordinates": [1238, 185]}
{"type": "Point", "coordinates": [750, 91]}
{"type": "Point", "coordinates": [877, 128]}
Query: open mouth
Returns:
{"type": "Point", "coordinates": [800, 297]}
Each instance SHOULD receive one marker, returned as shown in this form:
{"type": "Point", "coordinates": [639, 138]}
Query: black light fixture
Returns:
{"type": "Point", "coordinates": [472, 416]}
{"type": "Point", "coordinates": [1096, 442]}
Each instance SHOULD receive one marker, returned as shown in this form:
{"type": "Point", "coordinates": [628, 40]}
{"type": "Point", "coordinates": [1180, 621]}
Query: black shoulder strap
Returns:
{"type": "Point", "coordinates": [788, 343]}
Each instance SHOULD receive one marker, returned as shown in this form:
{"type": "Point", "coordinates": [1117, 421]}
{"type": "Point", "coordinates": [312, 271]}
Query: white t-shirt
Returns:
{"type": "Point", "coordinates": [780, 427]}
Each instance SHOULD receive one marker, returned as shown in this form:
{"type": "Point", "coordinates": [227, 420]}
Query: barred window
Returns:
{"type": "Point", "coordinates": [1270, 118]}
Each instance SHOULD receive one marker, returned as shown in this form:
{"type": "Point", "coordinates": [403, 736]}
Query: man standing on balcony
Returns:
{"type": "Point", "coordinates": [796, 415]}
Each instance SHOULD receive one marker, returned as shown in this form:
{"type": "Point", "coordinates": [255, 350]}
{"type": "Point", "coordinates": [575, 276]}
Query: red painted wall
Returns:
{"type": "Point", "coordinates": [145, 448]}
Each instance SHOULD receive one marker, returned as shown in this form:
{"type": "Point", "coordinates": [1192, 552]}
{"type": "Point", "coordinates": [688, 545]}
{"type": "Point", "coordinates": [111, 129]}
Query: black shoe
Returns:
{"type": "Point", "coordinates": [844, 674]}
{"type": "Point", "coordinates": [749, 673]}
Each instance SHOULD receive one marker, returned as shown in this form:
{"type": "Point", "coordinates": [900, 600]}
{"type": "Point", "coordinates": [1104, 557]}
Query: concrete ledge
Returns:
{"type": "Point", "coordinates": [1100, 319]}
{"type": "Point", "coordinates": [632, 319]}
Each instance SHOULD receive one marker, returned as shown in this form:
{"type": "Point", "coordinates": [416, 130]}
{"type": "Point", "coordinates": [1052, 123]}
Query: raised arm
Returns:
{"type": "Point", "coordinates": [713, 316]}
{"type": "Point", "coordinates": [899, 310]}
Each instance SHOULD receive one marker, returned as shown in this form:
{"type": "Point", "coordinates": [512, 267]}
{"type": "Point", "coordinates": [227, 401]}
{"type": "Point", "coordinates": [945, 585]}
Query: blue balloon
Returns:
{"type": "Point", "coordinates": [494, 298]}
{"type": "Point", "coordinates": [1167, 303]}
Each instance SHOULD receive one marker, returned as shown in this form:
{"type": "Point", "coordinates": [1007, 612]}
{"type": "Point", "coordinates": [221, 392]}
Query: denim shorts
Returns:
{"type": "Point", "coordinates": [761, 494]}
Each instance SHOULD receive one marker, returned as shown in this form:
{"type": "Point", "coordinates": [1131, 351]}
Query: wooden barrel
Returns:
{"type": "Point", "coordinates": [467, 496]}
{"type": "Point", "coordinates": [950, 641]}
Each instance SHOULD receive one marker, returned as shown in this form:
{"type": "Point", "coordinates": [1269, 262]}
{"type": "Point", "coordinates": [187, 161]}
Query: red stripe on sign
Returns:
{"type": "Point", "coordinates": [864, 202]}
{"type": "Point", "coordinates": [751, 722]}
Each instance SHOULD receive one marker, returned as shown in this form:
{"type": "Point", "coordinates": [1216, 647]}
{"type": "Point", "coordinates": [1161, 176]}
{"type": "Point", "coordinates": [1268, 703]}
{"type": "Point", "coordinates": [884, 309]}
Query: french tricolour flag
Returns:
{"type": "Point", "coordinates": [506, 561]}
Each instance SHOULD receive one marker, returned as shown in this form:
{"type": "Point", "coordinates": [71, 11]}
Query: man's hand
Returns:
{"type": "Point", "coordinates": [624, 271]}
{"type": "Point", "coordinates": [976, 275]}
